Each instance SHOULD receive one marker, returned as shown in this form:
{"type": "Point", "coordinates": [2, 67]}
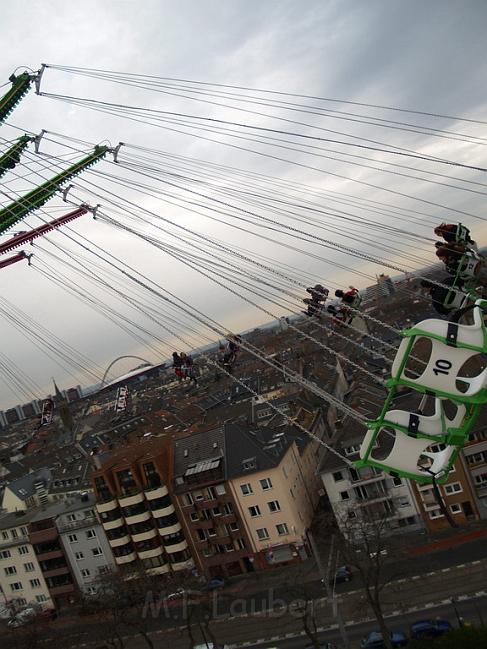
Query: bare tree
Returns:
{"type": "Point", "coordinates": [364, 542]}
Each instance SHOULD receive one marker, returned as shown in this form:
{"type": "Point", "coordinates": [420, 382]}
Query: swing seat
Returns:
{"type": "Point", "coordinates": [469, 265]}
{"type": "Point", "coordinates": [452, 345]}
{"type": "Point", "coordinates": [406, 454]}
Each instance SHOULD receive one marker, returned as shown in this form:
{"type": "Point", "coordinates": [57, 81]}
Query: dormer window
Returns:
{"type": "Point", "coordinates": [249, 464]}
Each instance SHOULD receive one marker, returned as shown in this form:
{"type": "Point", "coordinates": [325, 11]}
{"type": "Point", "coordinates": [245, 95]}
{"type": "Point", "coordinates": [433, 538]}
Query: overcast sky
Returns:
{"type": "Point", "coordinates": [423, 56]}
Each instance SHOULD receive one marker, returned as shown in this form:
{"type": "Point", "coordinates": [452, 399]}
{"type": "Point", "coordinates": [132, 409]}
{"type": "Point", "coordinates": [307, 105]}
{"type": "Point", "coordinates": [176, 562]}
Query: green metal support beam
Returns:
{"type": "Point", "coordinates": [16, 211]}
{"type": "Point", "coordinates": [20, 87]}
{"type": "Point", "coordinates": [11, 157]}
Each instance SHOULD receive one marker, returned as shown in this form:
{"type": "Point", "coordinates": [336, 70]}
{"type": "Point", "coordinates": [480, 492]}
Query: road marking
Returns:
{"type": "Point", "coordinates": [446, 570]}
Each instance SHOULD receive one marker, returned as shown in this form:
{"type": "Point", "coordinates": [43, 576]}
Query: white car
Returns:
{"type": "Point", "coordinates": [22, 618]}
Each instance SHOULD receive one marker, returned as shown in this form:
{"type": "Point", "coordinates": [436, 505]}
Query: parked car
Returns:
{"type": "Point", "coordinates": [23, 617]}
{"type": "Point", "coordinates": [429, 628]}
{"type": "Point", "coordinates": [342, 574]}
{"type": "Point", "coordinates": [375, 640]}
{"type": "Point", "coordinates": [214, 584]}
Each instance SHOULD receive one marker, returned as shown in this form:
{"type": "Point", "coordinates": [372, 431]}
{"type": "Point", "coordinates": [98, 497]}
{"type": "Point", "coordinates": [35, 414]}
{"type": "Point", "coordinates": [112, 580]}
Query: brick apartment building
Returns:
{"type": "Point", "coordinates": [135, 505]}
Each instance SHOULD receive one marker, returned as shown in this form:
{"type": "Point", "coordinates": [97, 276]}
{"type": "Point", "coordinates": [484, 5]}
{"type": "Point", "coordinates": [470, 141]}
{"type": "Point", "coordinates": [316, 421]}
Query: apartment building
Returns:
{"type": "Point", "coordinates": [85, 543]}
{"type": "Point", "coordinates": [208, 509]}
{"type": "Point", "coordinates": [368, 491]}
{"type": "Point", "coordinates": [21, 578]}
{"type": "Point", "coordinates": [247, 495]}
{"type": "Point", "coordinates": [475, 454]}
{"type": "Point", "coordinates": [46, 541]}
{"type": "Point", "coordinates": [135, 505]}
{"type": "Point", "coordinates": [30, 490]}
{"type": "Point", "coordinates": [458, 495]}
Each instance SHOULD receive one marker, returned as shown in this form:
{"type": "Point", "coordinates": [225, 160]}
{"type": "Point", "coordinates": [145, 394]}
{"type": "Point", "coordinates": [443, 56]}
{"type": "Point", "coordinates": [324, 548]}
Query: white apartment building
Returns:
{"type": "Point", "coordinates": [86, 546]}
{"type": "Point", "coordinates": [21, 578]}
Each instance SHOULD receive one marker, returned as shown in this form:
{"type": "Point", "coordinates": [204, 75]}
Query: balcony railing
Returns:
{"type": "Point", "coordinates": [78, 524]}
{"type": "Point", "coordinates": [20, 540]}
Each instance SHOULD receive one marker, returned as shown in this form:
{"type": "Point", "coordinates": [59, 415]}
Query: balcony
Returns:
{"type": "Point", "coordinates": [183, 565]}
{"type": "Point", "coordinates": [159, 513]}
{"type": "Point", "coordinates": [481, 490]}
{"type": "Point", "coordinates": [56, 572]}
{"type": "Point", "coordinates": [372, 499]}
{"type": "Point", "coordinates": [149, 554]}
{"type": "Point", "coordinates": [160, 570]}
{"type": "Point", "coordinates": [170, 529]}
{"type": "Point", "coordinates": [50, 554]}
{"type": "Point", "coordinates": [20, 540]}
{"type": "Point", "coordinates": [112, 525]}
{"type": "Point", "coordinates": [138, 518]}
{"type": "Point", "coordinates": [107, 506]}
{"type": "Point", "coordinates": [131, 499]}
{"type": "Point", "coordinates": [177, 547]}
{"type": "Point", "coordinates": [76, 525]}
{"type": "Point", "coordinates": [44, 535]}
{"type": "Point", "coordinates": [367, 476]}
{"type": "Point", "coordinates": [126, 558]}
{"type": "Point", "coordinates": [155, 492]}
{"type": "Point", "coordinates": [121, 540]}
{"type": "Point", "coordinates": [144, 536]}
{"type": "Point", "coordinates": [59, 591]}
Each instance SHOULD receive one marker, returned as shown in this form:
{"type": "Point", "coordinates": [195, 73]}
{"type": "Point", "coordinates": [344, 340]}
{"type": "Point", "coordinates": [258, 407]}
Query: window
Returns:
{"type": "Point", "coordinates": [274, 506]}
{"type": "Point", "coordinates": [240, 544]}
{"type": "Point", "coordinates": [194, 517]}
{"type": "Point", "coordinates": [455, 508]}
{"type": "Point", "coordinates": [85, 572]}
{"type": "Point", "coordinates": [210, 493]}
{"type": "Point", "coordinates": [198, 495]}
{"type": "Point", "coordinates": [90, 534]}
{"type": "Point", "coordinates": [188, 499]}
{"type": "Point", "coordinates": [35, 583]}
{"type": "Point", "coordinates": [21, 601]}
{"type": "Point", "coordinates": [10, 570]}
{"type": "Point", "coordinates": [436, 513]}
{"type": "Point", "coordinates": [216, 511]}
{"type": "Point", "coordinates": [234, 527]}
{"type": "Point", "coordinates": [480, 479]}
{"type": "Point", "coordinates": [71, 517]}
{"type": "Point", "coordinates": [5, 536]}
{"type": "Point", "coordinates": [14, 534]}
{"type": "Point", "coordinates": [23, 549]}
{"type": "Point", "coordinates": [344, 495]}
{"type": "Point", "coordinates": [79, 556]}
{"type": "Point", "coordinates": [41, 598]}
{"type": "Point", "coordinates": [229, 547]}
{"type": "Point", "coordinates": [266, 484]}
{"type": "Point", "coordinates": [201, 534]}
{"type": "Point", "coordinates": [220, 490]}
{"type": "Point", "coordinates": [337, 476]}
{"type": "Point", "coordinates": [254, 511]}
{"type": "Point", "coordinates": [104, 570]}
{"type": "Point", "coordinates": [246, 489]}
{"type": "Point", "coordinates": [23, 531]}
{"type": "Point", "coordinates": [72, 538]}
{"type": "Point", "coordinates": [29, 567]}
{"type": "Point", "coordinates": [97, 552]}
{"type": "Point", "coordinates": [17, 585]}
{"type": "Point", "coordinates": [211, 531]}
{"type": "Point", "coordinates": [227, 508]}
{"type": "Point", "coordinates": [91, 590]}
{"type": "Point", "coordinates": [397, 481]}
{"type": "Point", "coordinates": [453, 488]}
{"type": "Point", "coordinates": [5, 554]}
{"type": "Point", "coordinates": [262, 534]}
{"type": "Point", "coordinates": [282, 529]}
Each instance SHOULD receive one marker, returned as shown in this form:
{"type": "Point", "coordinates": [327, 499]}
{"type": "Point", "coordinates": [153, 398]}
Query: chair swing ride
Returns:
{"type": "Point", "coordinates": [424, 443]}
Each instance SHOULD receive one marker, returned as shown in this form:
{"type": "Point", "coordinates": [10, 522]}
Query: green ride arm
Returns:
{"type": "Point", "coordinates": [20, 87]}
{"type": "Point", "coordinates": [11, 157]}
{"type": "Point", "coordinates": [17, 210]}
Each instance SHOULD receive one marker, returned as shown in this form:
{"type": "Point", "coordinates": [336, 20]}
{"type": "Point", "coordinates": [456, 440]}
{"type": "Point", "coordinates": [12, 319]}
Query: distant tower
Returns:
{"type": "Point", "coordinates": [63, 408]}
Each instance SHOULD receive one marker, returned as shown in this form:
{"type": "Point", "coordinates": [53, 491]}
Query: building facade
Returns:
{"type": "Point", "coordinates": [85, 543]}
{"type": "Point", "coordinates": [22, 581]}
{"type": "Point", "coordinates": [137, 511]}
